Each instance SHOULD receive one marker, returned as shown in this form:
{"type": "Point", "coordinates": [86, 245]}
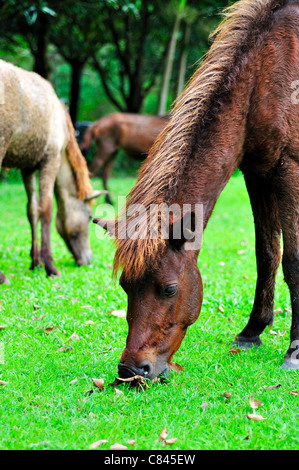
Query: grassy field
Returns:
{"type": "Point", "coordinates": [39, 407]}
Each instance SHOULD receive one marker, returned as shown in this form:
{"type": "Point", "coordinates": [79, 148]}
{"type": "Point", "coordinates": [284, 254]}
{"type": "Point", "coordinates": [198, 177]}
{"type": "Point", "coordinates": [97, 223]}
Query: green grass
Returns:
{"type": "Point", "coordinates": [40, 410]}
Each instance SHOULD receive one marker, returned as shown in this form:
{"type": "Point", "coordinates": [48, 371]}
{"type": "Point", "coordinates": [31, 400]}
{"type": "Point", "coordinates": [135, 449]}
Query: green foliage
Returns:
{"type": "Point", "coordinates": [124, 42]}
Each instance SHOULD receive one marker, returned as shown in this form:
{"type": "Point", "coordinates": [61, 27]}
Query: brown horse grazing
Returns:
{"type": "Point", "coordinates": [133, 133]}
{"type": "Point", "coordinates": [37, 134]}
{"type": "Point", "coordinates": [239, 110]}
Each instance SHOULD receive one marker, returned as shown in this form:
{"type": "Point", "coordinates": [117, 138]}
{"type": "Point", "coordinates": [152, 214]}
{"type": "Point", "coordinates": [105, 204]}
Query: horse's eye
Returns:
{"type": "Point", "coordinates": [170, 290]}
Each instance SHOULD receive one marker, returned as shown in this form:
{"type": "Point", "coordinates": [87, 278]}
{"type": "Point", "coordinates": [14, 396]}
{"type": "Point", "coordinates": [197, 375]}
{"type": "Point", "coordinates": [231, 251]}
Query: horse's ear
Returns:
{"type": "Point", "coordinates": [108, 225]}
{"type": "Point", "coordinates": [182, 230]}
{"type": "Point", "coordinates": [94, 195]}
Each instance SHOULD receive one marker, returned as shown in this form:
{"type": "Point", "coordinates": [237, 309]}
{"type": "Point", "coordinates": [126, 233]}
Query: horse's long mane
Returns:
{"type": "Point", "coordinates": [245, 23]}
{"type": "Point", "coordinates": [77, 162]}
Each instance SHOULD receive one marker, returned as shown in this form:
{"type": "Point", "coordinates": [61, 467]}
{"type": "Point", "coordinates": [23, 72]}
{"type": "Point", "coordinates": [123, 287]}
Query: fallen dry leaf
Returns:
{"type": "Point", "coordinates": [118, 392]}
{"type": "Point", "coordinates": [118, 447]}
{"type": "Point", "coordinates": [254, 403]}
{"type": "Point", "coordinates": [226, 394]}
{"type": "Point", "coordinates": [3, 383]}
{"type": "Point", "coordinates": [99, 383]}
{"type": "Point", "coordinates": [131, 442]}
{"type": "Point", "coordinates": [169, 441]}
{"type": "Point", "coordinates": [278, 311]}
{"type": "Point", "coordinates": [234, 350]}
{"type": "Point", "coordinates": [97, 444]}
{"type": "Point", "coordinates": [118, 313]}
{"type": "Point", "coordinates": [254, 417]}
{"type": "Point", "coordinates": [220, 309]}
{"type": "Point", "coordinates": [204, 406]}
{"type": "Point", "coordinates": [73, 337]}
{"type": "Point", "coordinates": [293, 392]}
{"type": "Point", "coordinates": [155, 380]}
{"type": "Point", "coordinates": [73, 382]}
{"type": "Point", "coordinates": [271, 387]}
{"type": "Point", "coordinates": [137, 381]}
{"type": "Point", "coordinates": [2, 327]}
{"type": "Point", "coordinates": [163, 434]}
{"type": "Point", "coordinates": [175, 367]}
{"type": "Point", "coordinates": [89, 322]}
{"type": "Point", "coordinates": [51, 328]}
{"type": "Point", "coordinates": [282, 333]}
{"type": "Point", "coordinates": [35, 318]}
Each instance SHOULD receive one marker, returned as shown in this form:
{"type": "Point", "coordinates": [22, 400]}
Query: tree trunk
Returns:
{"type": "Point", "coordinates": [183, 58]}
{"type": "Point", "coordinates": [41, 64]}
{"type": "Point", "coordinates": [77, 70]}
{"type": "Point", "coordinates": [169, 66]}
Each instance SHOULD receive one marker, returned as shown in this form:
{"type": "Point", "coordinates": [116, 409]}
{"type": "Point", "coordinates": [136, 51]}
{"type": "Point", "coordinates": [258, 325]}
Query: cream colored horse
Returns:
{"type": "Point", "coordinates": [36, 133]}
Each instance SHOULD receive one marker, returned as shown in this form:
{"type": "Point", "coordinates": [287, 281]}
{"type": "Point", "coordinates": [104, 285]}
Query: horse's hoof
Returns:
{"type": "Point", "coordinates": [52, 272]}
{"type": "Point", "coordinates": [54, 275]}
{"type": "Point", "coordinates": [290, 363]}
{"type": "Point", "coordinates": [247, 343]}
{"type": "Point", "coordinates": [4, 280]}
{"type": "Point", "coordinates": [35, 264]}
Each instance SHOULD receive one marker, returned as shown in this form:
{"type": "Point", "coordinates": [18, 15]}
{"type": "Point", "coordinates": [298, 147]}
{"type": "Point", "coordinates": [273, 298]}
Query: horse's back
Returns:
{"type": "Point", "coordinates": [138, 132]}
{"type": "Point", "coordinates": [273, 121]}
{"type": "Point", "coordinates": [32, 120]}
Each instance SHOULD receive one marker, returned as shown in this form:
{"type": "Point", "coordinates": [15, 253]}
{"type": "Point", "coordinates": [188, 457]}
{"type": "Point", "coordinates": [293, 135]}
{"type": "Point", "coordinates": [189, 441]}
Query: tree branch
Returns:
{"type": "Point", "coordinates": [104, 80]}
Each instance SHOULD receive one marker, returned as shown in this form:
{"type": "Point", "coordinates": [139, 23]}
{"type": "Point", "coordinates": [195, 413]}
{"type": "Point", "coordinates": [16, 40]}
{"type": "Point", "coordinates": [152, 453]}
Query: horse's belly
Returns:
{"type": "Point", "coordinates": [24, 152]}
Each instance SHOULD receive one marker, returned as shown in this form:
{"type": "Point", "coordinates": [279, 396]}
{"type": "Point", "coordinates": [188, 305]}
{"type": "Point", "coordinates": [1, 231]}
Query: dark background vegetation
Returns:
{"type": "Point", "coordinates": [109, 55]}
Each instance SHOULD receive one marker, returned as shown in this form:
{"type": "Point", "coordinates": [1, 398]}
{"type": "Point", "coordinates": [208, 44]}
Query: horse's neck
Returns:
{"type": "Point", "coordinates": [217, 154]}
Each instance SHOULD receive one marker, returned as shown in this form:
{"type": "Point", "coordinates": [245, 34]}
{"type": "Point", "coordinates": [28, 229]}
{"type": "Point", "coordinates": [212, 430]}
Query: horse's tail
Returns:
{"type": "Point", "coordinates": [87, 140]}
{"type": "Point", "coordinates": [78, 162]}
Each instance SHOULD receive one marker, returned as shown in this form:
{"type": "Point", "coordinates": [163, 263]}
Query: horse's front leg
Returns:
{"type": "Point", "coordinates": [267, 232]}
{"type": "Point", "coordinates": [47, 176]}
{"type": "Point", "coordinates": [106, 172]}
{"type": "Point", "coordinates": [32, 213]}
{"type": "Point", "coordinates": [288, 200]}
{"type": "Point", "coordinates": [3, 279]}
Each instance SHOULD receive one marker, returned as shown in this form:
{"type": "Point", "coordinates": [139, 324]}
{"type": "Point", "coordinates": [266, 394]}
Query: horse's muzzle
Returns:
{"type": "Point", "coordinates": [144, 369]}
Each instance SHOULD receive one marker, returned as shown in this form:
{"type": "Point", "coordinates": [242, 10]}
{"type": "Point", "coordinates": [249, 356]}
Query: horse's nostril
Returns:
{"type": "Point", "coordinates": [147, 369]}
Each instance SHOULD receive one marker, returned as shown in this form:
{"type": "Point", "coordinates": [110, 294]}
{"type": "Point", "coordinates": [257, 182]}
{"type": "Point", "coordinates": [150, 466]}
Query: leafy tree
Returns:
{"type": "Point", "coordinates": [30, 21]}
{"type": "Point", "coordinates": [133, 45]}
{"type": "Point", "coordinates": [75, 34]}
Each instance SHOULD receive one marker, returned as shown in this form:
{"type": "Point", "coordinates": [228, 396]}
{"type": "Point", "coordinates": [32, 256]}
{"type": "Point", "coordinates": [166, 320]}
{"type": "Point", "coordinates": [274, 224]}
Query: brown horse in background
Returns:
{"type": "Point", "coordinates": [37, 134]}
{"type": "Point", "coordinates": [133, 133]}
{"type": "Point", "coordinates": [239, 110]}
